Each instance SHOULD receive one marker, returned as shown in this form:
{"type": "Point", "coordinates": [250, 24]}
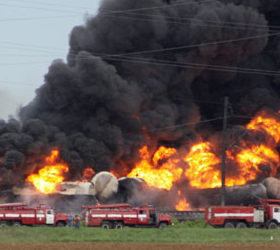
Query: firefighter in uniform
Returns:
{"type": "Point", "coordinates": [77, 221]}
{"type": "Point", "coordinates": [70, 221]}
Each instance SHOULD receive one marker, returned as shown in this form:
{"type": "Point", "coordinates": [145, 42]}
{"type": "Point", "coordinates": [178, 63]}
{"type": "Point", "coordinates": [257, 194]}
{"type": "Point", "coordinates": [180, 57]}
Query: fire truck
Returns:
{"type": "Point", "coordinates": [120, 215]}
{"type": "Point", "coordinates": [18, 214]}
{"type": "Point", "coordinates": [264, 215]}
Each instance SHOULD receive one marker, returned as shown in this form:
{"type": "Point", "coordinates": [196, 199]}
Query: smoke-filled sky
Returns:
{"type": "Point", "coordinates": [99, 110]}
{"type": "Point", "coordinates": [33, 34]}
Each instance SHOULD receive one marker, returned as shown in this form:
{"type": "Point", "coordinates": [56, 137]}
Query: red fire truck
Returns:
{"type": "Point", "coordinates": [265, 215]}
{"type": "Point", "coordinates": [120, 215]}
{"type": "Point", "coordinates": [17, 214]}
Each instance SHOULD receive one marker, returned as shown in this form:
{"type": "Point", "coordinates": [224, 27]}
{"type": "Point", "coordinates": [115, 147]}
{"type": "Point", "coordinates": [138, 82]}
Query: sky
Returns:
{"type": "Point", "coordinates": [33, 33]}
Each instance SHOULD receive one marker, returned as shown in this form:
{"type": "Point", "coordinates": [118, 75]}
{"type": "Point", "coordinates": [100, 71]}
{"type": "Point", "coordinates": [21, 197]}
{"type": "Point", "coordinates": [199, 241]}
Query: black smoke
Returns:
{"type": "Point", "coordinates": [108, 99]}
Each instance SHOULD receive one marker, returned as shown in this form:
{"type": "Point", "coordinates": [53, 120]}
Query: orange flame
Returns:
{"type": "Point", "coordinates": [266, 124]}
{"type": "Point", "coordinates": [183, 205]}
{"type": "Point", "coordinates": [251, 158]}
{"type": "Point", "coordinates": [88, 174]}
{"type": "Point", "coordinates": [163, 153]}
{"type": "Point", "coordinates": [202, 168]}
{"type": "Point", "coordinates": [161, 177]}
{"type": "Point", "coordinates": [202, 172]}
{"type": "Point", "coordinates": [136, 116]}
{"type": "Point", "coordinates": [49, 176]}
{"type": "Point", "coordinates": [115, 173]}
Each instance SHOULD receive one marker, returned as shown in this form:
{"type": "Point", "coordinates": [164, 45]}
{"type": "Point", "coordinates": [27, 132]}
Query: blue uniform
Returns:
{"type": "Point", "coordinates": [70, 221]}
{"type": "Point", "coordinates": [77, 220]}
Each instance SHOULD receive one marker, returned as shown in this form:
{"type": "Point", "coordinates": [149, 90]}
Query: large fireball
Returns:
{"type": "Point", "coordinates": [49, 176]}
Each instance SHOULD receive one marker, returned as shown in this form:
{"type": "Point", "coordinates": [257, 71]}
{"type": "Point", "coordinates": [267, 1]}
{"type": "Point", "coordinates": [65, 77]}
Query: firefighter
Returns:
{"type": "Point", "coordinates": [70, 221]}
{"type": "Point", "coordinates": [77, 221]}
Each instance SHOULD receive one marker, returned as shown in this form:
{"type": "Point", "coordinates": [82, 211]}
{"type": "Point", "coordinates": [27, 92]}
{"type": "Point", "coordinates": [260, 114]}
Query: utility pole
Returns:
{"type": "Point", "coordinates": [224, 148]}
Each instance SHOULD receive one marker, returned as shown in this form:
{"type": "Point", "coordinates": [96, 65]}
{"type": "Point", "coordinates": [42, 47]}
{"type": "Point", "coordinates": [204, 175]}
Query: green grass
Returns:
{"type": "Point", "coordinates": [180, 233]}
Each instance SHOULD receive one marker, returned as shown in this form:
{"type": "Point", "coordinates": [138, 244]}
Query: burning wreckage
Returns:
{"type": "Point", "coordinates": [104, 187]}
{"type": "Point", "coordinates": [148, 119]}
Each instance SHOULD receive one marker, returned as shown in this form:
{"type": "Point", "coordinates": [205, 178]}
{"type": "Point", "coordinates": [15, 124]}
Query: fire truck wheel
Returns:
{"type": "Point", "coordinates": [119, 225]}
{"type": "Point", "coordinates": [272, 225]}
{"type": "Point", "coordinates": [60, 224]}
{"type": "Point", "coordinates": [106, 225]}
{"type": "Point", "coordinates": [3, 224]}
{"type": "Point", "coordinates": [162, 225]}
{"type": "Point", "coordinates": [241, 225]}
{"type": "Point", "coordinates": [16, 224]}
{"type": "Point", "coordinates": [229, 225]}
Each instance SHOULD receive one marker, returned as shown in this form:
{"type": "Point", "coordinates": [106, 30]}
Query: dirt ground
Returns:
{"type": "Point", "coordinates": [138, 246]}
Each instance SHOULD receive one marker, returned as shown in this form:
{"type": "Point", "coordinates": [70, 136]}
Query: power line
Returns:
{"type": "Point", "coordinates": [196, 45]}
{"type": "Point", "coordinates": [27, 55]}
{"type": "Point", "coordinates": [226, 22]}
{"type": "Point", "coordinates": [159, 7]}
{"type": "Point", "coordinates": [36, 18]}
{"type": "Point", "coordinates": [242, 116]}
{"type": "Point", "coordinates": [244, 25]}
{"type": "Point", "coordinates": [238, 139]}
{"type": "Point", "coordinates": [109, 12]}
{"type": "Point", "coordinates": [167, 63]}
{"type": "Point", "coordinates": [17, 83]}
{"type": "Point", "coordinates": [205, 67]}
{"type": "Point", "coordinates": [174, 64]}
{"type": "Point", "coordinates": [164, 49]}
{"type": "Point", "coordinates": [52, 4]}
{"type": "Point", "coordinates": [173, 48]}
{"type": "Point", "coordinates": [180, 23]}
{"type": "Point", "coordinates": [32, 47]}
{"type": "Point", "coordinates": [195, 100]}
{"type": "Point", "coordinates": [198, 22]}
{"type": "Point", "coordinates": [218, 67]}
{"type": "Point", "coordinates": [23, 63]}
{"type": "Point", "coordinates": [132, 12]}
{"type": "Point", "coordinates": [38, 8]}
{"type": "Point", "coordinates": [171, 17]}
{"type": "Point", "coordinates": [180, 125]}
{"type": "Point", "coordinates": [194, 67]}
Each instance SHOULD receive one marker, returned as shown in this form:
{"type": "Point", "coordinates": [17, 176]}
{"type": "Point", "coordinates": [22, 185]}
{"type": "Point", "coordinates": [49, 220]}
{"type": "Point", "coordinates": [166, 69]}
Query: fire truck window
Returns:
{"type": "Point", "coordinates": [49, 212]}
{"type": "Point", "coordinates": [276, 210]}
{"type": "Point", "coordinates": [142, 212]}
{"type": "Point", "coordinates": [40, 212]}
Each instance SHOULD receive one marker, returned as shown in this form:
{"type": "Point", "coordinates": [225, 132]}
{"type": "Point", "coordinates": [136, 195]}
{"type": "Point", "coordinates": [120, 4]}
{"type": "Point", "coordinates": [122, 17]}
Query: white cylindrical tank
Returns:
{"type": "Point", "coordinates": [105, 185]}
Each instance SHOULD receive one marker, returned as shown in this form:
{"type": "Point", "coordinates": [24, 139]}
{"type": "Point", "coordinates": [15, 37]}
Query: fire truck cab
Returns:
{"type": "Point", "coordinates": [17, 214]}
{"type": "Point", "coordinates": [265, 215]}
{"type": "Point", "coordinates": [119, 215]}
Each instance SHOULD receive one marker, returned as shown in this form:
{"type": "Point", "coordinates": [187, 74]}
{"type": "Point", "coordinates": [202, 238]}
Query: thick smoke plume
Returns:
{"type": "Point", "coordinates": [133, 77]}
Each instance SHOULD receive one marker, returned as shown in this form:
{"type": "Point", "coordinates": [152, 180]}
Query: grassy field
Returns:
{"type": "Point", "coordinates": [180, 233]}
